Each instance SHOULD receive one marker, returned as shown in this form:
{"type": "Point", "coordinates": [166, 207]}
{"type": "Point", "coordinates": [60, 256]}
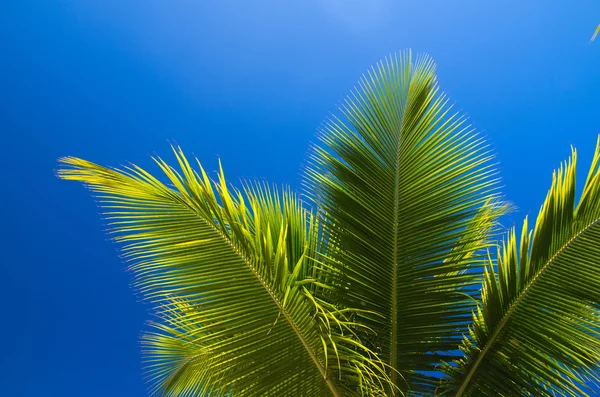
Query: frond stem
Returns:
{"type": "Point", "coordinates": [394, 333]}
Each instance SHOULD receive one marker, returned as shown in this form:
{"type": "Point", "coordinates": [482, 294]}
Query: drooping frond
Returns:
{"type": "Point", "coordinates": [232, 276]}
{"type": "Point", "coordinates": [399, 180]}
{"type": "Point", "coordinates": [537, 331]}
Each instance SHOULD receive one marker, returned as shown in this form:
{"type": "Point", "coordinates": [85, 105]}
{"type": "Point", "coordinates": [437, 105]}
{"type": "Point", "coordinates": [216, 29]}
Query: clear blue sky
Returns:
{"type": "Point", "coordinates": [249, 81]}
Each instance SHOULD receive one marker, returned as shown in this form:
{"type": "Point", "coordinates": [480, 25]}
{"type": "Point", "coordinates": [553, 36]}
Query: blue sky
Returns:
{"type": "Point", "coordinates": [249, 82]}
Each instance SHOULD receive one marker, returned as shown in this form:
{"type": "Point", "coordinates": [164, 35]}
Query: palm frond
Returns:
{"type": "Point", "coordinates": [537, 328]}
{"type": "Point", "coordinates": [231, 274]}
{"type": "Point", "coordinates": [478, 233]}
{"type": "Point", "coordinates": [399, 181]}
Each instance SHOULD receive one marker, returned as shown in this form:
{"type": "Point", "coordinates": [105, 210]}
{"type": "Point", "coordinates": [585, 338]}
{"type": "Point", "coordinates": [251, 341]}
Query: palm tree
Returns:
{"type": "Point", "coordinates": [385, 279]}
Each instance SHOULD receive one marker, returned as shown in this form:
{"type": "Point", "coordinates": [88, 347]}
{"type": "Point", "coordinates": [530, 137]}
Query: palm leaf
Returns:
{"type": "Point", "coordinates": [232, 276]}
{"type": "Point", "coordinates": [537, 328]}
{"type": "Point", "coordinates": [399, 181]}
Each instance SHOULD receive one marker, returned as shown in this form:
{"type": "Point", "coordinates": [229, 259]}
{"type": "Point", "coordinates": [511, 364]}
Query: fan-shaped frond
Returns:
{"type": "Point", "coordinates": [536, 332]}
{"type": "Point", "coordinates": [399, 181]}
{"type": "Point", "coordinates": [232, 274]}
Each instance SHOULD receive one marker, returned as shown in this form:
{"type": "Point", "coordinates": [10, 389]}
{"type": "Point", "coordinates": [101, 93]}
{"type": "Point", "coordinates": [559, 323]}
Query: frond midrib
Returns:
{"type": "Point", "coordinates": [514, 305]}
{"type": "Point", "coordinates": [394, 325]}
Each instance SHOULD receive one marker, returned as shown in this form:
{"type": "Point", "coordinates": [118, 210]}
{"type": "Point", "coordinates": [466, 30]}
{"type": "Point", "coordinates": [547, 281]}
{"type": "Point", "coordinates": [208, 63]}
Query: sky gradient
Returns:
{"type": "Point", "coordinates": [249, 82]}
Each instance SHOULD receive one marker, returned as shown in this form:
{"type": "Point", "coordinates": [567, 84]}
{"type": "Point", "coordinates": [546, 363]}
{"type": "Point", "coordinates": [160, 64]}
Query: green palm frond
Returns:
{"type": "Point", "coordinates": [477, 234]}
{"type": "Point", "coordinates": [232, 275]}
{"type": "Point", "coordinates": [537, 332]}
{"type": "Point", "coordinates": [399, 181]}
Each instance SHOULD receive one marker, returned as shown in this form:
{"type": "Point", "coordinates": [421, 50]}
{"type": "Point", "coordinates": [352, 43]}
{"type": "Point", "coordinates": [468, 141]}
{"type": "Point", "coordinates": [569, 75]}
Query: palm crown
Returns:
{"type": "Point", "coordinates": [386, 279]}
